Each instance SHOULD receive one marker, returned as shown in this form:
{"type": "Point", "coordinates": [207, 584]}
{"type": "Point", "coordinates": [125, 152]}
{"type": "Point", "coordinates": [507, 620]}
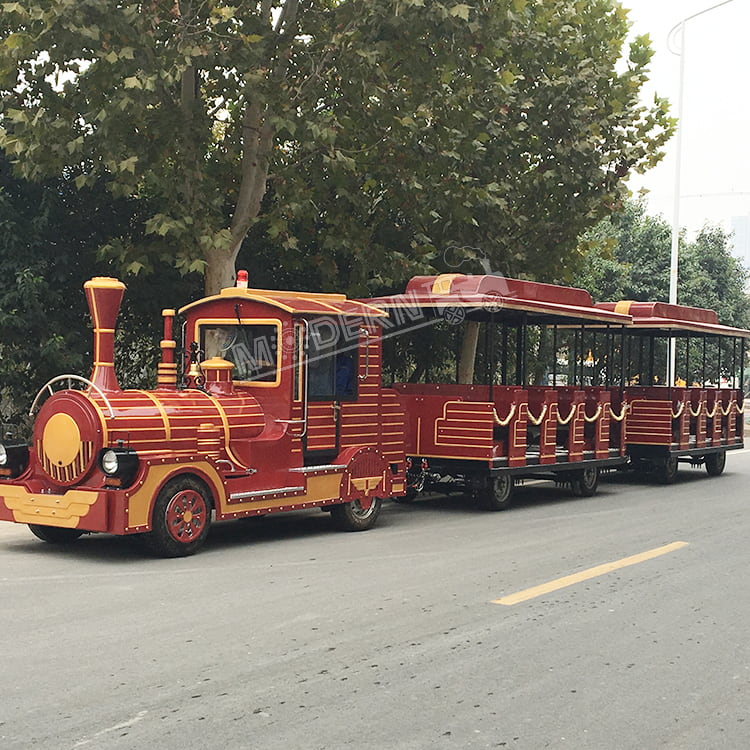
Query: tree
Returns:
{"type": "Point", "coordinates": [49, 235]}
{"type": "Point", "coordinates": [362, 138]}
{"type": "Point", "coordinates": [627, 257]}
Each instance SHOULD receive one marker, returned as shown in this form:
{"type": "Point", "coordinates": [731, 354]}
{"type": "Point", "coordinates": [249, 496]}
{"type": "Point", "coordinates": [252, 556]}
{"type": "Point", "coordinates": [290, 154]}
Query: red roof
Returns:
{"type": "Point", "coordinates": [666, 317]}
{"type": "Point", "coordinates": [497, 293]}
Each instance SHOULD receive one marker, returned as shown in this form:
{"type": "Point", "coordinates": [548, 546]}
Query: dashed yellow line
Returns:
{"type": "Point", "coordinates": [584, 575]}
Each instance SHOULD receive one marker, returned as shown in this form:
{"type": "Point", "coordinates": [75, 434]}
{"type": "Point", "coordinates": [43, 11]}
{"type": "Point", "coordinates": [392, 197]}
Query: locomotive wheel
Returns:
{"type": "Point", "coordinates": [666, 470]}
{"type": "Point", "coordinates": [181, 518]}
{"type": "Point", "coordinates": [585, 482]}
{"type": "Point", "coordinates": [357, 515]}
{"type": "Point", "coordinates": [498, 495]}
{"type": "Point", "coordinates": [55, 534]}
{"type": "Point", "coordinates": [715, 463]}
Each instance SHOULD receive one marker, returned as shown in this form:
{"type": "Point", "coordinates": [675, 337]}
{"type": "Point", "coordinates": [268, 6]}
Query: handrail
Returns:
{"type": "Point", "coordinates": [621, 416]}
{"type": "Point", "coordinates": [596, 415]}
{"type": "Point", "coordinates": [306, 379]}
{"type": "Point", "coordinates": [569, 417]}
{"type": "Point", "coordinates": [740, 409]}
{"type": "Point", "coordinates": [48, 386]}
{"type": "Point", "coordinates": [679, 411]}
{"type": "Point", "coordinates": [504, 422]}
{"type": "Point", "coordinates": [728, 409]}
{"type": "Point", "coordinates": [698, 411]}
{"type": "Point", "coordinates": [363, 331]}
{"type": "Point", "coordinates": [538, 421]}
{"type": "Point", "coordinates": [712, 414]}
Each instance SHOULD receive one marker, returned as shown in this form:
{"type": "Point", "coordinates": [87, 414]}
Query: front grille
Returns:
{"type": "Point", "coordinates": [72, 472]}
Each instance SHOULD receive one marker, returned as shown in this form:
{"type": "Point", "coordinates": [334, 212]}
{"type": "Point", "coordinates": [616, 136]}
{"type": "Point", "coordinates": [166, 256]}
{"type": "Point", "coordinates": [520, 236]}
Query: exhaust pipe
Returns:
{"type": "Point", "coordinates": [104, 296]}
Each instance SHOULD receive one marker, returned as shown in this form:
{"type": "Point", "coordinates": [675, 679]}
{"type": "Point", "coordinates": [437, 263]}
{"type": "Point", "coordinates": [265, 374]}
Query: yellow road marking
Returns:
{"type": "Point", "coordinates": [584, 575]}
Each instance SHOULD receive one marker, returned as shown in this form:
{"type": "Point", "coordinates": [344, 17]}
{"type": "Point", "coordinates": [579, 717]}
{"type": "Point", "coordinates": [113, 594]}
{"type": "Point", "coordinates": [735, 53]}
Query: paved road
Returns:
{"type": "Point", "coordinates": [285, 634]}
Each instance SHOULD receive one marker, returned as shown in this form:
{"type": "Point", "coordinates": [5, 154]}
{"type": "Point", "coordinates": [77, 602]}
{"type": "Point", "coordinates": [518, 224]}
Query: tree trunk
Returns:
{"type": "Point", "coordinates": [257, 145]}
{"type": "Point", "coordinates": [468, 352]}
{"type": "Point", "coordinates": [220, 271]}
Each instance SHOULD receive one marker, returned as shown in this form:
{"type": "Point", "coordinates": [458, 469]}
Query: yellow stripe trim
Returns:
{"type": "Point", "coordinates": [225, 423]}
{"type": "Point", "coordinates": [585, 575]}
{"type": "Point", "coordinates": [162, 412]}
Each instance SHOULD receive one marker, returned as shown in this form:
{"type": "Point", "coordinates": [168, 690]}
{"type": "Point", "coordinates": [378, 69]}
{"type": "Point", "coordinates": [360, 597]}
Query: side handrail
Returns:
{"type": "Point", "coordinates": [364, 332]}
{"type": "Point", "coordinates": [679, 411]}
{"type": "Point", "coordinates": [48, 387]}
{"type": "Point", "coordinates": [728, 409]}
{"type": "Point", "coordinates": [712, 413]}
{"type": "Point", "coordinates": [595, 416]}
{"type": "Point", "coordinates": [740, 409]}
{"type": "Point", "coordinates": [504, 422]}
{"type": "Point", "coordinates": [623, 411]}
{"type": "Point", "coordinates": [538, 421]}
{"type": "Point", "coordinates": [569, 417]}
{"type": "Point", "coordinates": [306, 378]}
{"type": "Point", "coordinates": [697, 412]}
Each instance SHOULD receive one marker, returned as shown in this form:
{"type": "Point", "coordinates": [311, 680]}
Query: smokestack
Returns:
{"type": "Point", "coordinates": [167, 370]}
{"type": "Point", "coordinates": [104, 296]}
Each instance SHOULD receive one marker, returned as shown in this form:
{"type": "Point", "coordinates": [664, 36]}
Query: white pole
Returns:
{"type": "Point", "coordinates": [675, 250]}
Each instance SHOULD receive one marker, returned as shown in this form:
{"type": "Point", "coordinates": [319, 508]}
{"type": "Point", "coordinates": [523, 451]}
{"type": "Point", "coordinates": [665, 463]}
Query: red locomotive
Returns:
{"type": "Point", "coordinates": [281, 406]}
{"type": "Point", "coordinates": [283, 409]}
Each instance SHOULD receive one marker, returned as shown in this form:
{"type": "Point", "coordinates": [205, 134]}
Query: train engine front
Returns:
{"type": "Point", "coordinates": [103, 459]}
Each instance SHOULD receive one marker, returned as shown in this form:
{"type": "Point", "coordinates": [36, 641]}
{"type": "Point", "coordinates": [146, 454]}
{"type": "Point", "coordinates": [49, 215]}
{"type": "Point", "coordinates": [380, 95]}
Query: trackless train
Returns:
{"type": "Point", "coordinates": [279, 404]}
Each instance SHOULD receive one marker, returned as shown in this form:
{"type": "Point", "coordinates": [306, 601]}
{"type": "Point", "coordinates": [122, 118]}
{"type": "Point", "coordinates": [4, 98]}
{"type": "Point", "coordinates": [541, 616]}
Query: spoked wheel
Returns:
{"type": "Point", "coordinates": [181, 518]}
{"type": "Point", "coordinates": [356, 515]}
{"type": "Point", "coordinates": [715, 463]}
{"type": "Point", "coordinates": [498, 494]}
{"type": "Point", "coordinates": [54, 534]}
{"type": "Point", "coordinates": [666, 470]}
{"type": "Point", "coordinates": [585, 482]}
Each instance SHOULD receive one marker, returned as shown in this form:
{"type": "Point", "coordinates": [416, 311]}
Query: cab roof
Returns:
{"type": "Point", "coordinates": [296, 303]}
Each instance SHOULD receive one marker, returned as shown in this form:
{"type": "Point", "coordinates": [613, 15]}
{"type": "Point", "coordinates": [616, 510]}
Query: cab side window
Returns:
{"type": "Point", "coordinates": [331, 369]}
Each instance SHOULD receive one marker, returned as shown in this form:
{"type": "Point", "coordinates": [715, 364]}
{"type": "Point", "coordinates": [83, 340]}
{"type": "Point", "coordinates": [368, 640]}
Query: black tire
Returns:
{"type": "Point", "coordinates": [715, 463]}
{"type": "Point", "coordinates": [498, 495]}
{"type": "Point", "coordinates": [666, 470]}
{"type": "Point", "coordinates": [181, 518]}
{"type": "Point", "coordinates": [585, 482]}
{"type": "Point", "coordinates": [55, 534]}
{"type": "Point", "coordinates": [354, 516]}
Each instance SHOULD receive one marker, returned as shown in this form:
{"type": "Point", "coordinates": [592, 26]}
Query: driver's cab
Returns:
{"type": "Point", "coordinates": [308, 359]}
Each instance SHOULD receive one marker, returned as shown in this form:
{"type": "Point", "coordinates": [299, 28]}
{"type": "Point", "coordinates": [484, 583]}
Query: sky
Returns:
{"type": "Point", "coordinates": [715, 171]}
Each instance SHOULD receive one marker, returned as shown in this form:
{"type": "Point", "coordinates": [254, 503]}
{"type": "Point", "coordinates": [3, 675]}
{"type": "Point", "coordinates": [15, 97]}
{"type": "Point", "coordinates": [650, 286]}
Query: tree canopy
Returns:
{"type": "Point", "coordinates": [627, 257]}
{"type": "Point", "coordinates": [356, 141]}
{"type": "Point", "coordinates": [49, 235]}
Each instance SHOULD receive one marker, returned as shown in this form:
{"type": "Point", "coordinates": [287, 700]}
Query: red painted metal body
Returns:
{"type": "Point", "coordinates": [253, 446]}
{"type": "Point", "coordinates": [283, 408]}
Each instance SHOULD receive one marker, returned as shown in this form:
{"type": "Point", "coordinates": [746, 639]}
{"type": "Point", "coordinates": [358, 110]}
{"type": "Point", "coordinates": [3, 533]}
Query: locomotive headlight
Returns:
{"type": "Point", "coordinates": [110, 463]}
{"type": "Point", "coordinates": [119, 462]}
{"type": "Point", "coordinates": [13, 459]}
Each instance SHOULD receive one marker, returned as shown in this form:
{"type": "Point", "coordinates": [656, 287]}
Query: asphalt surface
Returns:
{"type": "Point", "coordinates": [283, 633]}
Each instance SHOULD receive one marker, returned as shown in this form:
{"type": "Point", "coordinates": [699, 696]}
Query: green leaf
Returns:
{"type": "Point", "coordinates": [461, 11]}
{"type": "Point", "coordinates": [128, 165]}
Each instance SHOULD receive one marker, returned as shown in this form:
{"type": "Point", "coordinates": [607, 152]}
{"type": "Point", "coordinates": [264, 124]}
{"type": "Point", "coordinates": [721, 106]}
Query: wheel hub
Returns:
{"type": "Point", "coordinates": [186, 515]}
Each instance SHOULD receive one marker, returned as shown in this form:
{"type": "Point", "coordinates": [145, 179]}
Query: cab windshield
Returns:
{"type": "Point", "coordinates": [252, 349]}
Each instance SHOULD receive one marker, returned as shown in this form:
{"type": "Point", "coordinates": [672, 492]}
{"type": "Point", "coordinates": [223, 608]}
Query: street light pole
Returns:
{"type": "Point", "coordinates": [675, 249]}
